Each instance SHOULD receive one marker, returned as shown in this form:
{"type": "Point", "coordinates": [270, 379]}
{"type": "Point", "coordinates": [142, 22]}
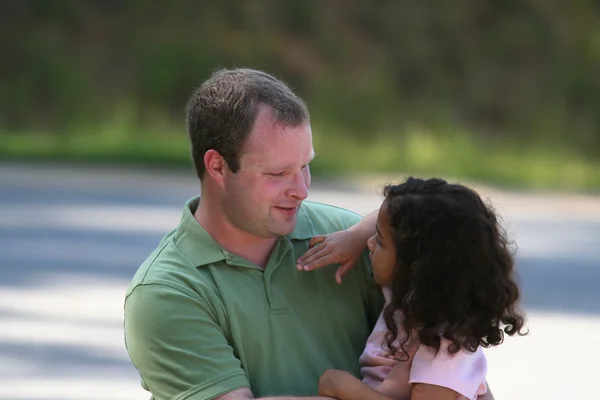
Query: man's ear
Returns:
{"type": "Point", "coordinates": [215, 166]}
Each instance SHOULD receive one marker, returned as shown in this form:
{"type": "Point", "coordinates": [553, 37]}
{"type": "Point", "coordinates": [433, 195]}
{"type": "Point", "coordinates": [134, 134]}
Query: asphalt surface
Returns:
{"type": "Point", "coordinates": [72, 238]}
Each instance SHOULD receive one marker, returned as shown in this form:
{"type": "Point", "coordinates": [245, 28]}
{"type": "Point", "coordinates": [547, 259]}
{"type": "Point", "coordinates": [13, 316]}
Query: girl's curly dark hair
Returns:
{"type": "Point", "coordinates": [454, 268]}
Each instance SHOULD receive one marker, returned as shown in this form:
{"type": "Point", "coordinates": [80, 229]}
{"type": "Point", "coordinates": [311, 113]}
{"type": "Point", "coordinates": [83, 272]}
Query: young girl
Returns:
{"type": "Point", "coordinates": [446, 270]}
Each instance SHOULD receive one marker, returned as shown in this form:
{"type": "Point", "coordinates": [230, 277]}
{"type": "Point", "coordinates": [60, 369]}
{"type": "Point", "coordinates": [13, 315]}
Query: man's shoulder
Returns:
{"type": "Point", "coordinates": [326, 218]}
{"type": "Point", "coordinates": [167, 266]}
{"type": "Point", "coordinates": [330, 212]}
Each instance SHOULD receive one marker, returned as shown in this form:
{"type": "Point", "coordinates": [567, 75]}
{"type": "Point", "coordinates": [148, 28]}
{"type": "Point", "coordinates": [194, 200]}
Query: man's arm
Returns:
{"type": "Point", "coordinates": [174, 340]}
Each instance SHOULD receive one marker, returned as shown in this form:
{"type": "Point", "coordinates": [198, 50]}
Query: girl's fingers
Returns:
{"type": "Point", "coordinates": [315, 240]}
{"type": "Point", "coordinates": [320, 260]}
{"type": "Point", "coordinates": [312, 254]}
{"type": "Point", "coordinates": [311, 248]}
{"type": "Point", "coordinates": [343, 270]}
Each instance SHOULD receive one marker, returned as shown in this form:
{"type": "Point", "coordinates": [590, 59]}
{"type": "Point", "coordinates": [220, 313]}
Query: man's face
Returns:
{"type": "Point", "coordinates": [264, 195]}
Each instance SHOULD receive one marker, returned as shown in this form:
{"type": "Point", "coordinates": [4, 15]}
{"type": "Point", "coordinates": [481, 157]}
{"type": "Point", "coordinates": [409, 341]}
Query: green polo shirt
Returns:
{"type": "Point", "coordinates": [201, 321]}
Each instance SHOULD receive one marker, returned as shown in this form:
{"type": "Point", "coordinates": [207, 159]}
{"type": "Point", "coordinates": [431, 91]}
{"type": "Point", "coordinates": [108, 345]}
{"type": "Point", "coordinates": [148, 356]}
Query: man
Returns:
{"type": "Point", "coordinates": [219, 309]}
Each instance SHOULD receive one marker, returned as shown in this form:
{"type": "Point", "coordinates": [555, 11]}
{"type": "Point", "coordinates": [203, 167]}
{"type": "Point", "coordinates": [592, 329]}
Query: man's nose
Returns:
{"type": "Point", "coordinates": [299, 187]}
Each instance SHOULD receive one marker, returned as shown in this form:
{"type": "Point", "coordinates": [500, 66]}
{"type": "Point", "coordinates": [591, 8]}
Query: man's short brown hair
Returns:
{"type": "Point", "coordinates": [222, 111]}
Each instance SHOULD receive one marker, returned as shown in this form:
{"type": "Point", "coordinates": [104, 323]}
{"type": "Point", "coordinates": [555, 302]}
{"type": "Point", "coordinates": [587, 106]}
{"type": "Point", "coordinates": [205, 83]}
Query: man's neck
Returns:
{"type": "Point", "coordinates": [243, 244]}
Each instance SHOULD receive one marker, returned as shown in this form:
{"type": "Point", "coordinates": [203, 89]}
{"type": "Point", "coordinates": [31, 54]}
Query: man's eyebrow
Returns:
{"type": "Point", "coordinates": [289, 166]}
{"type": "Point", "coordinates": [312, 156]}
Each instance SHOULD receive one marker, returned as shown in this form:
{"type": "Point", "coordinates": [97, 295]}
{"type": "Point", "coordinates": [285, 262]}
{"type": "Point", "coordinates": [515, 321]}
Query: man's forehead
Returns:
{"type": "Point", "coordinates": [278, 144]}
{"type": "Point", "coordinates": [273, 157]}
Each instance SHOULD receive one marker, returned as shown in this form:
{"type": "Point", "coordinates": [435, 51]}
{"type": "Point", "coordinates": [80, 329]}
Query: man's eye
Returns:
{"type": "Point", "coordinates": [277, 174]}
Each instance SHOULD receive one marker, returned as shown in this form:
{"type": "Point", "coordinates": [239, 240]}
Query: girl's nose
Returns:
{"type": "Point", "coordinates": [371, 243]}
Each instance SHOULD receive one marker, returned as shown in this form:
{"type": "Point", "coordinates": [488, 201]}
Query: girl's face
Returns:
{"type": "Point", "coordinates": [382, 249]}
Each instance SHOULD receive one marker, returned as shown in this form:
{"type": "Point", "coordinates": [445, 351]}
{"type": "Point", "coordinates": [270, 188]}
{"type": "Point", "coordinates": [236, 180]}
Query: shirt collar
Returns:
{"type": "Point", "coordinates": [201, 249]}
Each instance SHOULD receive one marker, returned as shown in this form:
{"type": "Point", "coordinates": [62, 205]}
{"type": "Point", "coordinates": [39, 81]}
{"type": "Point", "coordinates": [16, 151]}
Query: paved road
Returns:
{"type": "Point", "coordinates": [70, 240]}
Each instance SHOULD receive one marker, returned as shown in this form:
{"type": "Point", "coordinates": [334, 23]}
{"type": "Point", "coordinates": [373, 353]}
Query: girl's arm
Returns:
{"type": "Point", "coordinates": [396, 386]}
{"type": "Point", "coordinates": [344, 386]}
{"type": "Point", "coordinates": [423, 391]}
{"type": "Point", "coordinates": [342, 247]}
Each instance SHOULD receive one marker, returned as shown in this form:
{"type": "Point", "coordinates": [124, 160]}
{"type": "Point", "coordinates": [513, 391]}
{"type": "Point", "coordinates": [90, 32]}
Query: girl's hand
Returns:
{"type": "Point", "coordinates": [395, 385]}
{"type": "Point", "coordinates": [331, 382]}
{"type": "Point", "coordinates": [343, 247]}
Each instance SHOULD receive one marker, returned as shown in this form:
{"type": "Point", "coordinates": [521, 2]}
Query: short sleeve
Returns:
{"type": "Point", "coordinates": [464, 372]}
{"type": "Point", "coordinates": [177, 346]}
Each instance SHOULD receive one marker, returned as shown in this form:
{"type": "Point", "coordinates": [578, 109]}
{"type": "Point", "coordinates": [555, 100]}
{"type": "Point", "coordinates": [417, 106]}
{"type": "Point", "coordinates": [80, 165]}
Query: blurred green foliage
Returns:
{"type": "Point", "coordinates": [466, 79]}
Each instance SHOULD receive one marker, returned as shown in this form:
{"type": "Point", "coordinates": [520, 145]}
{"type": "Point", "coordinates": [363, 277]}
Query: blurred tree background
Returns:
{"type": "Point", "coordinates": [504, 91]}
